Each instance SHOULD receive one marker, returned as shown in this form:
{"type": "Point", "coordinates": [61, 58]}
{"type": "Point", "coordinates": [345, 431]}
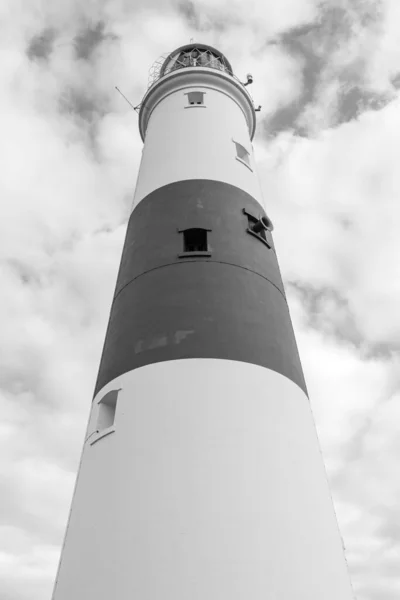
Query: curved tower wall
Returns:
{"type": "Point", "coordinates": [201, 474]}
{"type": "Point", "coordinates": [184, 141]}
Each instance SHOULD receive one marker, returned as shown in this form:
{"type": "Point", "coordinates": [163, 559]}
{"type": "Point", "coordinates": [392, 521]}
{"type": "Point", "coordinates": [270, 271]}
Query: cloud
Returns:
{"type": "Point", "coordinates": [41, 45]}
{"type": "Point", "coordinates": [334, 54]}
{"type": "Point", "coordinates": [355, 404]}
{"type": "Point", "coordinates": [90, 38]}
{"type": "Point", "coordinates": [263, 18]}
{"type": "Point", "coordinates": [343, 201]}
{"type": "Point", "coordinates": [23, 560]}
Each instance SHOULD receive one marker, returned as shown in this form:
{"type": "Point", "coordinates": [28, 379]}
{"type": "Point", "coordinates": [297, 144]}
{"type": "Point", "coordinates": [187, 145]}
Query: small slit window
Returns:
{"type": "Point", "coordinates": [242, 154]}
{"type": "Point", "coordinates": [107, 409]}
{"type": "Point", "coordinates": [195, 98]}
{"type": "Point", "coordinates": [195, 242]}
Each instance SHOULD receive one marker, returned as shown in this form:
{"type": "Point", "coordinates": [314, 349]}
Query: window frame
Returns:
{"type": "Point", "coordinates": [259, 236]}
{"type": "Point", "coordinates": [99, 434]}
{"type": "Point", "coordinates": [239, 148]}
{"type": "Point", "coordinates": [195, 105]}
{"type": "Point", "coordinates": [198, 253]}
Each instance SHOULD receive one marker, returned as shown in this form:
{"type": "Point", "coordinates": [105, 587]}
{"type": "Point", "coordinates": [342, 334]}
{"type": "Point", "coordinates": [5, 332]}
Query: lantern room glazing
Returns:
{"type": "Point", "coordinates": [191, 55]}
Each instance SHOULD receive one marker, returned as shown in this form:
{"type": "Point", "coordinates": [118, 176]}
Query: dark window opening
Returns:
{"type": "Point", "coordinates": [195, 98]}
{"type": "Point", "coordinates": [195, 240]}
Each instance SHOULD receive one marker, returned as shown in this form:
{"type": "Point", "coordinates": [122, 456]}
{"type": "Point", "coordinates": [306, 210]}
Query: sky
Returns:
{"type": "Point", "coordinates": [327, 74]}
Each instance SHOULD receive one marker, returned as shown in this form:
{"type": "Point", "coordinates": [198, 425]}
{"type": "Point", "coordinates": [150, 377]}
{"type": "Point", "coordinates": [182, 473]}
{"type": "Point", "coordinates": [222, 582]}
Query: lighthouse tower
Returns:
{"type": "Point", "coordinates": [201, 475]}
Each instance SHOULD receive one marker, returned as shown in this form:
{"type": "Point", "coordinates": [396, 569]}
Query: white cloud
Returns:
{"type": "Point", "coordinates": [334, 199]}
{"type": "Point", "coordinates": [263, 18]}
{"type": "Point", "coordinates": [384, 63]}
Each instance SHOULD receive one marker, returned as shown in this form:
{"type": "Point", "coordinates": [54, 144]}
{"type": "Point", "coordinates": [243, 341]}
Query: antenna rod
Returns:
{"type": "Point", "coordinates": [123, 95]}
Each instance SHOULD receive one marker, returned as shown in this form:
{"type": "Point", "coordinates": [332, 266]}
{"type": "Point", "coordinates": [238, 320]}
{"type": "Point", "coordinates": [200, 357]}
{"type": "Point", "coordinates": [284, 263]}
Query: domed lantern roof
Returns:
{"type": "Point", "coordinates": [195, 55]}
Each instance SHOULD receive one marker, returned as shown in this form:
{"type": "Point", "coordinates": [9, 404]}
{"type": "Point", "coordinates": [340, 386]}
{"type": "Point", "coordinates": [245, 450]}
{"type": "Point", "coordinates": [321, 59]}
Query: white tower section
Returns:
{"type": "Point", "coordinates": [201, 475]}
{"type": "Point", "coordinates": [191, 126]}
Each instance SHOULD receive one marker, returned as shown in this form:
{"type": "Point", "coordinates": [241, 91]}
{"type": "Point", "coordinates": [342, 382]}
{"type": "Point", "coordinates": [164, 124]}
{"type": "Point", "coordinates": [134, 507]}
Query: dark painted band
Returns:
{"type": "Point", "coordinates": [226, 303]}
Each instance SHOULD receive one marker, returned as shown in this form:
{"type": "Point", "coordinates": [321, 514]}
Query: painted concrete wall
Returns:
{"type": "Point", "coordinates": [196, 142]}
{"type": "Point", "coordinates": [210, 483]}
{"type": "Point", "coordinates": [211, 486]}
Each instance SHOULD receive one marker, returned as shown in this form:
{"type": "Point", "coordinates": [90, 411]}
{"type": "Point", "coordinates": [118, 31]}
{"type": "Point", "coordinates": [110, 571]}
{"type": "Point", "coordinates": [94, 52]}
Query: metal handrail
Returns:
{"type": "Point", "coordinates": [156, 71]}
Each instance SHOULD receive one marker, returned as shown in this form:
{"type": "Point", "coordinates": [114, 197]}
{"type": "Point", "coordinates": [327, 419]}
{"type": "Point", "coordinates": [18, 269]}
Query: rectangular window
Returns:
{"type": "Point", "coordinates": [242, 154]}
{"type": "Point", "coordinates": [195, 242]}
{"type": "Point", "coordinates": [107, 408]}
{"type": "Point", "coordinates": [195, 98]}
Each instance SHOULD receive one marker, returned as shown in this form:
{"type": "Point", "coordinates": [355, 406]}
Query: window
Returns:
{"type": "Point", "coordinates": [195, 242]}
{"type": "Point", "coordinates": [258, 227]}
{"type": "Point", "coordinates": [242, 155]}
{"type": "Point", "coordinates": [107, 408]}
{"type": "Point", "coordinates": [195, 99]}
{"type": "Point", "coordinates": [251, 222]}
{"type": "Point", "coordinates": [194, 57]}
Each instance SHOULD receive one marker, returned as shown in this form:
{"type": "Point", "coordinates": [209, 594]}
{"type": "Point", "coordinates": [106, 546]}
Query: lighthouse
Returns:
{"type": "Point", "coordinates": [201, 476]}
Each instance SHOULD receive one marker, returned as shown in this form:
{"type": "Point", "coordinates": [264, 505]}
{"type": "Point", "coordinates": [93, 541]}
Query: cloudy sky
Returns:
{"type": "Point", "coordinates": [327, 74]}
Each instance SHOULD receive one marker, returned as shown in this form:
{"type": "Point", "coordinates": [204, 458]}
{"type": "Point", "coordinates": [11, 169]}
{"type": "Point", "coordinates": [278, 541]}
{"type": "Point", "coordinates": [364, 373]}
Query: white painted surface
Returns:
{"type": "Point", "coordinates": [212, 487]}
{"type": "Point", "coordinates": [193, 76]}
{"type": "Point", "coordinates": [195, 142]}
